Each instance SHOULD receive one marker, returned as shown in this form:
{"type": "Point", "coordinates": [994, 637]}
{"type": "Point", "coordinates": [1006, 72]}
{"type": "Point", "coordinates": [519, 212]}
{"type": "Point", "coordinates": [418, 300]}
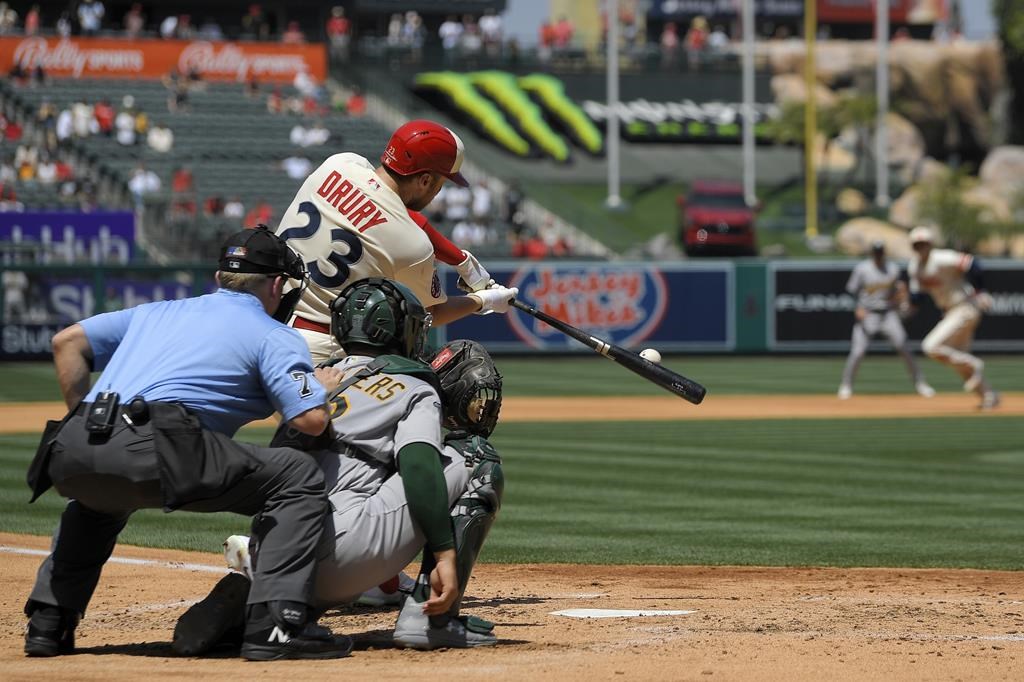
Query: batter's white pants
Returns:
{"type": "Point", "coordinates": [950, 340]}
{"type": "Point", "coordinates": [321, 346]}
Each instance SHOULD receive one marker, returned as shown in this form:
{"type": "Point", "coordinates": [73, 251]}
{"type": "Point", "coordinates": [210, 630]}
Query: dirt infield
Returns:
{"type": "Point", "coordinates": [28, 417]}
{"type": "Point", "coordinates": [746, 623]}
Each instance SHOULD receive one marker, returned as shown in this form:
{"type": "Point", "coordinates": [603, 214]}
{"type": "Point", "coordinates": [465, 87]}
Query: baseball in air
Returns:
{"type": "Point", "coordinates": [651, 355]}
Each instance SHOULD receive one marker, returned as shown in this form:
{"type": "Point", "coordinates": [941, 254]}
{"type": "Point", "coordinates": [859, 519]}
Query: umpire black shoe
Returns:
{"type": "Point", "coordinates": [208, 623]}
{"type": "Point", "coordinates": [281, 630]}
{"type": "Point", "coordinates": [51, 630]}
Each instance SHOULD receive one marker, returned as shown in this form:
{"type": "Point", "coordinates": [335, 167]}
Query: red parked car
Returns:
{"type": "Point", "coordinates": [716, 221]}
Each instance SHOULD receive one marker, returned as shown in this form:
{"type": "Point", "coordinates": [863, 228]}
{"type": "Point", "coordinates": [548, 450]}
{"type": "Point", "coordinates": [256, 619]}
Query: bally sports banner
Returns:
{"type": "Point", "coordinates": [809, 309]}
{"type": "Point", "coordinates": [672, 308]}
{"type": "Point", "coordinates": [105, 58]}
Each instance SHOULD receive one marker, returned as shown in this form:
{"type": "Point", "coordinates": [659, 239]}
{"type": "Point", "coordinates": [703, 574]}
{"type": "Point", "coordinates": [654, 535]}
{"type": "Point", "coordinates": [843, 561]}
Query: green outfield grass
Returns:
{"type": "Point", "coordinates": [593, 375]}
{"type": "Point", "coordinates": [923, 492]}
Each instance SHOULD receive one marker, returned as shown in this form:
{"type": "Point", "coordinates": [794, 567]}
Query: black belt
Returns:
{"type": "Point", "coordinates": [137, 410]}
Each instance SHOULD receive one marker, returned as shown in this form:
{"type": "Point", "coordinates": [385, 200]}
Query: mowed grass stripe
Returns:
{"type": "Point", "coordinates": [589, 374]}
{"type": "Point", "coordinates": [921, 492]}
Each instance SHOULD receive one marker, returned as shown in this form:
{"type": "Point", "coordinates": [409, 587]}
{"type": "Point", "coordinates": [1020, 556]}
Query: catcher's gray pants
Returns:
{"type": "Point", "coordinates": [887, 323]}
{"type": "Point", "coordinates": [110, 477]}
{"type": "Point", "coordinates": [374, 537]}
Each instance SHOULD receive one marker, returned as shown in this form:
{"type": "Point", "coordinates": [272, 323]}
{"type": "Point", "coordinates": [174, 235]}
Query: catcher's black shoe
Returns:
{"type": "Point", "coordinates": [280, 630]}
{"type": "Point", "coordinates": [208, 624]}
{"type": "Point", "coordinates": [51, 630]}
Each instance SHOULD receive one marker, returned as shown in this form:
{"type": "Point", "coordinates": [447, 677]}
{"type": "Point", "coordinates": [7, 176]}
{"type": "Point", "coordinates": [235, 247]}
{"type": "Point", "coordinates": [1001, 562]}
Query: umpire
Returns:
{"type": "Point", "coordinates": [178, 380]}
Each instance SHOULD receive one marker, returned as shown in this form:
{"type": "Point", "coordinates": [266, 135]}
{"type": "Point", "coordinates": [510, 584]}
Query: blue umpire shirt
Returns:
{"type": "Point", "coordinates": [220, 355]}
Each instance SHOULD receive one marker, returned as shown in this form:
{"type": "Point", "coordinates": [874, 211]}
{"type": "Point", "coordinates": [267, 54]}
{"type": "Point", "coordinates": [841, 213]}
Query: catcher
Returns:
{"type": "Point", "coordinates": [394, 484]}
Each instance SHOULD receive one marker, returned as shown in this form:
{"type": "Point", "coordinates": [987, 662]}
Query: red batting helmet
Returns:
{"type": "Point", "coordinates": [423, 145]}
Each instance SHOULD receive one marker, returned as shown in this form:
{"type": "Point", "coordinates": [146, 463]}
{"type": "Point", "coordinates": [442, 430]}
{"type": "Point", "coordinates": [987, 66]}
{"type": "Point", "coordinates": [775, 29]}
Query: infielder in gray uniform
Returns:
{"type": "Point", "coordinates": [395, 486]}
{"type": "Point", "coordinates": [876, 283]}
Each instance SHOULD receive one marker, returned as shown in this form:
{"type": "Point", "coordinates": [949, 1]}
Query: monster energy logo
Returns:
{"type": "Point", "coordinates": [532, 115]}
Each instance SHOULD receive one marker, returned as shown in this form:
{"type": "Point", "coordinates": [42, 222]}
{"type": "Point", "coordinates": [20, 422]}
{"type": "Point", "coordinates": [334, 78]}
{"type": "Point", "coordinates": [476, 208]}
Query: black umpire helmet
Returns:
{"type": "Point", "coordinates": [258, 250]}
{"type": "Point", "coordinates": [470, 387]}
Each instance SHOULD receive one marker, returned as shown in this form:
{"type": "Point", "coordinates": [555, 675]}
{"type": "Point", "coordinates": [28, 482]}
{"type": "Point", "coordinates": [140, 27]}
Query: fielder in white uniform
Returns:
{"type": "Point", "coordinates": [395, 485]}
{"type": "Point", "coordinates": [953, 280]}
{"type": "Point", "coordinates": [350, 221]}
{"type": "Point", "coordinates": [876, 283]}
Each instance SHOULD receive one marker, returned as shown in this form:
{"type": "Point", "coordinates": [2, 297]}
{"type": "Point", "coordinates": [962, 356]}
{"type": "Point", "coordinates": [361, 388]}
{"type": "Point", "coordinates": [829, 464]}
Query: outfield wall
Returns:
{"type": "Point", "coordinates": [706, 306]}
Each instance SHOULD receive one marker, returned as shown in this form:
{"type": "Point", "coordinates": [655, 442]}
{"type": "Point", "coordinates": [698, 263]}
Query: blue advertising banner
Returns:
{"type": "Point", "coordinates": [671, 308]}
{"type": "Point", "coordinates": [104, 237]}
{"type": "Point", "coordinates": [38, 304]}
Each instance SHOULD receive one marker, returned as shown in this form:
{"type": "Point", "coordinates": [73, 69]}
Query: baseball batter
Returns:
{"type": "Point", "coordinates": [394, 484]}
{"type": "Point", "coordinates": [954, 280]}
{"type": "Point", "coordinates": [876, 283]}
{"type": "Point", "coordinates": [350, 221]}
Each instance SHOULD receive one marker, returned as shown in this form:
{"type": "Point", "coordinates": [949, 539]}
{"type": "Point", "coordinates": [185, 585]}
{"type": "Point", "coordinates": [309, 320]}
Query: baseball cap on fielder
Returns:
{"type": "Point", "coordinates": [922, 234]}
{"type": "Point", "coordinates": [423, 145]}
{"type": "Point", "coordinates": [258, 250]}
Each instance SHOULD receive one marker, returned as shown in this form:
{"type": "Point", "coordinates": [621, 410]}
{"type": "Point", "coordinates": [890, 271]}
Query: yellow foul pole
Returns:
{"type": "Point", "coordinates": [810, 119]}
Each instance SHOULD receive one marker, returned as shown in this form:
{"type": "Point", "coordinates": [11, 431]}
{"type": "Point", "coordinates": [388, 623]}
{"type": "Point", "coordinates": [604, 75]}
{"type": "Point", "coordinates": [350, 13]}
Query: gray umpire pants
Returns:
{"type": "Point", "coordinates": [109, 477]}
{"type": "Point", "coordinates": [888, 323]}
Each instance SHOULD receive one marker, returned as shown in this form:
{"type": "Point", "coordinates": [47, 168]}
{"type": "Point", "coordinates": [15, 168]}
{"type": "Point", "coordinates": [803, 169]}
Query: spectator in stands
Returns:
{"type": "Point", "coordinates": [469, 233]}
{"type": "Point", "coordinates": [297, 167]}
{"type": "Point", "coordinates": [529, 245]}
{"type": "Point", "coordinates": [213, 206]}
{"type": "Point", "coordinates": [546, 42]}
{"type": "Point", "coordinates": [185, 29]}
{"type": "Point", "coordinates": [234, 208]}
{"type": "Point", "coordinates": [18, 73]}
{"type": "Point", "coordinates": [169, 27]}
{"type": "Point", "coordinates": [718, 41]}
{"type": "Point", "coordinates": [25, 160]}
{"type": "Point", "coordinates": [63, 25]}
{"type": "Point", "coordinates": [275, 102]}
{"type": "Point", "coordinates": [696, 42]}
{"type": "Point", "coordinates": [12, 130]}
{"type": "Point", "coordinates": [124, 122]}
{"type": "Point", "coordinates": [450, 33]}
{"type": "Point", "coordinates": [669, 45]}
{"type": "Point", "coordinates": [104, 114]}
{"type": "Point", "coordinates": [293, 35]}
{"type": "Point", "coordinates": [141, 124]}
{"type": "Point", "coordinates": [177, 91]}
{"type": "Point", "coordinates": [142, 183]}
{"type": "Point", "coordinates": [563, 33]}
{"type": "Point", "coordinates": [317, 135]}
{"type": "Point", "coordinates": [414, 35]}
{"type": "Point", "coordinates": [252, 87]}
{"type": "Point", "coordinates": [46, 171]}
{"type": "Point", "coordinates": [483, 202]}
{"type": "Point", "coordinates": [306, 84]}
{"type": "Point", "coordinates": [182, 180]}
{"type": "Point", "coordinates": [46, 122]}
{"type": "Point", "coordinates": [457, 203]}
{"type": "Point", "coordinates": [471, 43]}
{"type": "Point", "coordinates": [356, 104]}
{"type": "Point", "coordinates": [8, 19]}
{"type": "Point", "coordinates": [32, 21]}
{"type": "Point", "coordinates": [63, 128]}
{"type": "Point", "coordinates": [134, 21]}
{"type": "Point", "coordinates": [339, 34]}
{"type": "Point", "coordinates": [261, 214]}
{"type": "Point", "coordinates": [160, 138]}
{"type": "Point", "coordinates": [210, 30]}
{"type": "Point", "coordinates": [83, 122]}
{"type": "Point", "coordinates": [90, 16]}
{"type": "Point", "coordinates": [394, 38]}
{"type": "Point", "coordinates": [8, 173]}
{"type": "Point", "coordinates": [9, 201]}
{"type": "Point", "coordinates": [491, 29]}
{"type": "Point", "coordinates": [255, 24]}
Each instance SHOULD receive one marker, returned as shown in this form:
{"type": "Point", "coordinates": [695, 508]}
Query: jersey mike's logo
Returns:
{"type": "Point", "coordinates": [622, 305]}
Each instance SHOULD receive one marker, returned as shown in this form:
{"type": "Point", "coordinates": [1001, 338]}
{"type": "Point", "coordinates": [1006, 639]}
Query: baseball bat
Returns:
{"type": "Point", "coordinates": [687, 389]}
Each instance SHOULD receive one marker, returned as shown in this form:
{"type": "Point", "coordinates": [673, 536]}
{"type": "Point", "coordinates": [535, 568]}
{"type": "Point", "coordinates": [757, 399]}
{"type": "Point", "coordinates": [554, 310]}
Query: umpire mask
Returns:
{"type": "Point", "coordinates": [258, 250]}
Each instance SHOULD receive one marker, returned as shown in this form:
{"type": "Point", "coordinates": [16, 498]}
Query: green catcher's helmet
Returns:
{"type": "Point", "coordinates": [380, 314]}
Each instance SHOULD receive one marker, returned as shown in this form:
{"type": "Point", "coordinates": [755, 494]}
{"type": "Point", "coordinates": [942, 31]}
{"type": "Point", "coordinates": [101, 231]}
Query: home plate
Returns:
{"type": "Point", "coordinates": [618, 613]}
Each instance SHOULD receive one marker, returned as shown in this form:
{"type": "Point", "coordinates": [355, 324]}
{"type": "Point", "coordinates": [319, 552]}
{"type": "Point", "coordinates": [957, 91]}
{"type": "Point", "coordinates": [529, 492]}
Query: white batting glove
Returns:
{"type": "Point", "coordinates": [472, 275]}
{"type": "Point", "coordinates": [495, 299]}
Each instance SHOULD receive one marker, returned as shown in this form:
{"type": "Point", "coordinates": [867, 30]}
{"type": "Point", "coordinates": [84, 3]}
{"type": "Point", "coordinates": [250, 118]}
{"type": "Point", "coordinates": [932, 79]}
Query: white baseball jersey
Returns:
{"type": "Point", "coordinates": [346, 225]}
{"type": "Point", "coordinates": [376, 417]}
{"type": "Point", "coordinates": [942, 277]}
{"type": "Point", "coordinates": [872, 286]}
